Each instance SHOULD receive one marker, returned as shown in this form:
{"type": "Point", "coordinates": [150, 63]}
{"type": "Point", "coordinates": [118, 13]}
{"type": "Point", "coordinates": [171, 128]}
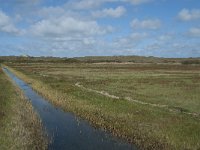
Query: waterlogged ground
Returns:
{"type": "Point", "coordinates": [176, 126]}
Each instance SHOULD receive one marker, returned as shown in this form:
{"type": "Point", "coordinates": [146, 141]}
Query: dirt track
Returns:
{"type": "Point", "coordinates": [170, 108]}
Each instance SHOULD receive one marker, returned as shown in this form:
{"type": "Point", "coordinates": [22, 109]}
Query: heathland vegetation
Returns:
{"type": "Point", "coordinates": [20, 127]}
{"type": "Point", "coordinates": [99, 59]}
{"type": "Point", "coordinates": [154, 105]}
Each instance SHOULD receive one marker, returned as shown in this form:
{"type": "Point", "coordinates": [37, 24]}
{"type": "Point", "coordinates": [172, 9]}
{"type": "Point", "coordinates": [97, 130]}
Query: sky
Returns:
{"type": "Point", "coordinates": [73, 28]}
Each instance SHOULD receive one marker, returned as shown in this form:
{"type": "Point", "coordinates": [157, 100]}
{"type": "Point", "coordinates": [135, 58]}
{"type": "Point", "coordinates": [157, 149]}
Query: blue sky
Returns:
{"type": "Point", "coordinates": [70, 28]}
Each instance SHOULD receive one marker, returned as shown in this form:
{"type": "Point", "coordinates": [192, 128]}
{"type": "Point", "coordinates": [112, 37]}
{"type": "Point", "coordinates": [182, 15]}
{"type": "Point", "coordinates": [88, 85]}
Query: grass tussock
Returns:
{"type": "Point", "coordinates": [20, 127]}
{"type": "Point", "coordinates": [147, 127]}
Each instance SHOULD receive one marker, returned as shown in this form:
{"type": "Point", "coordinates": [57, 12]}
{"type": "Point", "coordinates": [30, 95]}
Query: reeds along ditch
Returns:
{"type": "Point", "coordinates": [21, 127]}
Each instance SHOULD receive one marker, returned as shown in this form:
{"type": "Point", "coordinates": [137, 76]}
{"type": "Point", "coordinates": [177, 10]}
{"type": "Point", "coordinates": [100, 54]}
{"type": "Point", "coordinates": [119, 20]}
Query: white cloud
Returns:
{"type": "Point", "coordinates": [128, 42]}
{"type": "Point", "coordinates": [6, 24]}
{"type": "Point", "coordinates": [165, 37]}
{"type": "Point", "coordinates": [137, 2]}
{"type": "Point", "coordinates": [110, 12]}
{"type": "Point", "coordinates": [194, 32]}
{"type": "Point", "coordinates": [86, 4]}
{"type": "Point", "coordinates": [92, 4]}
{"type": "Point", "coordinates": [146, 24]}
{"type": "Point", "coordinates": [51, 11]}
{"type": "Point", "coordinates": [20, 2]}
{"type": "Point", "coordinates": [68, 27]}
{"type": "Point", "coordinates": [189, 15]}
{"type": "Point", "coordinates": [138, 36]}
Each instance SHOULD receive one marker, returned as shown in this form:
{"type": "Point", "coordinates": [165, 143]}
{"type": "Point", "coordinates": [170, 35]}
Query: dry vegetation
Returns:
{"type": "Point", "coordinates": [174, 85]}
{"type": "Point", "coordinates": [20, 127]}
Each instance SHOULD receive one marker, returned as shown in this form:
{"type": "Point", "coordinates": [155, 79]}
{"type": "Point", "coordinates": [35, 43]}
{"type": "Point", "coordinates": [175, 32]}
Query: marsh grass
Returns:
{"type": "Point", "coordinates": [147, 127]}
{"type": "Point", "coordinates": [20, 127]}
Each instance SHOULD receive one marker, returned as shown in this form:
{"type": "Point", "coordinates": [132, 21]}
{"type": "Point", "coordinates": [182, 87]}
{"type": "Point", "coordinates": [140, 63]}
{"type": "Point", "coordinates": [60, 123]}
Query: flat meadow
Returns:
{"type": "Point", "coordinates": [155, 106]}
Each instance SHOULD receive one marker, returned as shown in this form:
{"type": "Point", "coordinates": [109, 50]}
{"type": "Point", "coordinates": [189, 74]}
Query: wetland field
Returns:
{"type": "Point", "coordinates": [151, 105]}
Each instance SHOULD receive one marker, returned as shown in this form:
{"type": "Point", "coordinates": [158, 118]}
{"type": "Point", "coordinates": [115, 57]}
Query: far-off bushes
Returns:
{"type": "Point", "coordinates": [188, 62]}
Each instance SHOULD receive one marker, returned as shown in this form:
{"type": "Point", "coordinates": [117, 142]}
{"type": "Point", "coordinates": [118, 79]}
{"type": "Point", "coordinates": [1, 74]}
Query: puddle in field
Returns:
{"type": "Point", "coordinates": [65, 129]}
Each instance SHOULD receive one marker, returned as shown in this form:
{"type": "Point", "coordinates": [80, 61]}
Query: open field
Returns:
{"type": "Point", "coordinates": [155, 106]}
{"type": "Point", "coordinates": [20, 127]}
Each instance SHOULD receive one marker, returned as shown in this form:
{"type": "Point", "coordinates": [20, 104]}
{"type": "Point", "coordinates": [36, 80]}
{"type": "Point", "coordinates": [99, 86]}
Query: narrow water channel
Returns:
{"type": "Point", "coordinates": [66, 130]}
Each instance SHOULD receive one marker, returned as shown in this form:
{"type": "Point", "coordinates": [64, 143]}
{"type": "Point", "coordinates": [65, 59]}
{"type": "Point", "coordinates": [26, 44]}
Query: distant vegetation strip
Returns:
{"type": "Point", "coordinates": [20, 127]}
{"type": "Point", "coordinates": [99, 59]}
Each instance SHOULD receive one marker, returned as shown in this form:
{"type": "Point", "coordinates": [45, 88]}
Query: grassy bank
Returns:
{"type": "Point", "coordinates": [148, 127]}
{"type": "Point", "coordinates": [20, 127]}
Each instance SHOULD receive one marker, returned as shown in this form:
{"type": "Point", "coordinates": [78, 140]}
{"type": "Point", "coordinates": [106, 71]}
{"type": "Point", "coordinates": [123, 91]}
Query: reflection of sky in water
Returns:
{"type": "Point", "coordinates": [68, 131]}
